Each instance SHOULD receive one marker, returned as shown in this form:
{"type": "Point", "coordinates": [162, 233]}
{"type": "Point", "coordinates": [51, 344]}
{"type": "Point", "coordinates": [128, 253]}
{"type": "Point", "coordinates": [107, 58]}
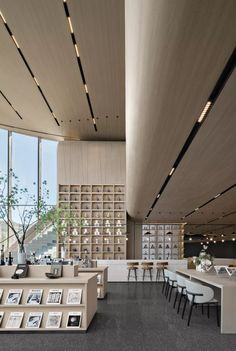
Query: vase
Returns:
{"type": "Point", "coordinates": [21, 255]}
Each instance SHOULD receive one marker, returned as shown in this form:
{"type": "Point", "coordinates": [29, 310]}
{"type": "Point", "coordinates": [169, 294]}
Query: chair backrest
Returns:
{"type": "Point", "coordinates": [166, 274]}
{"type": "Point", "coordinates": [172, 275]}
{"type": "Point", "coordinates": [203, 293]}
{"type": "Point", "coordinates": [180, 282]}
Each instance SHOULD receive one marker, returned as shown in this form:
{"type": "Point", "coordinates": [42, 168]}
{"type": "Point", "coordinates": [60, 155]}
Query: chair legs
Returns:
{"type": "Point", "coordinates": [185, 303]}
{"type": "Point", "coordinates": [176, 296]}
{"type": "Point", "coordinates": [217, 315]}
{"type": "Point", "coordinates": [128, 274]}
{"type": "Point", "coordinates": [190, 312]}
{"type": "Point", "coordinates": [135, 273]}
{"type": "Point", "coordinates": [180, 299]}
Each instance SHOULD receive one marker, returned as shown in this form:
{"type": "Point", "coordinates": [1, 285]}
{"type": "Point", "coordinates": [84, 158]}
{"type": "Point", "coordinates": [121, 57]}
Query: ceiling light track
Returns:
{"type": "Point", "coordinates": [212, 199]}
{"type": "Point", "coordinates": [79, 62]}
{"type": "Point", "coordinates": [28, 67]}
{"type": "Point", "coordinates": [9, 103]}
{"type": "Point", "coordinates": [227, 71]}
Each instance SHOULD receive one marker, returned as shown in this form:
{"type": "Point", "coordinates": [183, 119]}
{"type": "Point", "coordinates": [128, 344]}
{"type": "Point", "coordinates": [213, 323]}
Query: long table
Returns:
{"type": "Point", "coordinates": [227, 288]}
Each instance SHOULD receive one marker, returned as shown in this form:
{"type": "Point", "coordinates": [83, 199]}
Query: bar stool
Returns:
{"type": "Point", "coordinates": [147, 266]}
{"type": "Point", "coordinates": [160, 266]}
{"type": "Point", "coordinates": [132, 266]}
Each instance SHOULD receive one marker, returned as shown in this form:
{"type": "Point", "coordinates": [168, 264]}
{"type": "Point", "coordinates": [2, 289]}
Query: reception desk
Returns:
{"type": "Point", "coordinates": [227, 288]}
{"type": "Point", "coordinates": [117, 269]}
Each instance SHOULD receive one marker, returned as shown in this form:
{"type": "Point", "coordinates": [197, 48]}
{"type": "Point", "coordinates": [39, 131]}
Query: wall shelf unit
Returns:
{"type": "Point", "coordinates": [162, 241]}
{"type": "Point", "coordinates": [93, 219]}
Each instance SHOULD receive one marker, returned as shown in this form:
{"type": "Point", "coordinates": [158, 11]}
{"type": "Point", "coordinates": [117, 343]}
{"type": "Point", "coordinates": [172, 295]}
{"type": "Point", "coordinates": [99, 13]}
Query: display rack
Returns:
{"type": "Point", "coordinates": [93, 221]}
{"type": "Point", "coordinates": [162, 241]}
{"type": "Point", "coordinates": [102, 275]}
{"type": "Point", "coordinates": [88, 307]}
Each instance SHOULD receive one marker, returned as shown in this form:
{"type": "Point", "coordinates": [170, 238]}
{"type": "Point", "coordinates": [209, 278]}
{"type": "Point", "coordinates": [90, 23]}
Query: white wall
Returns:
{"type": "Point", "coordinates": [91, 162]}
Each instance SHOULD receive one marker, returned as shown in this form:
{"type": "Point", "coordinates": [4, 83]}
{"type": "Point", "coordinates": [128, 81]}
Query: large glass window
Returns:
{"type": "Point", "coordinates": [23, 165]}
{"type": "Point", "coordinates": [25, 177]}
{"type": "Point", "coordinates": [3, 175]}
{"type": "Point", "coordinates": [49, 171]}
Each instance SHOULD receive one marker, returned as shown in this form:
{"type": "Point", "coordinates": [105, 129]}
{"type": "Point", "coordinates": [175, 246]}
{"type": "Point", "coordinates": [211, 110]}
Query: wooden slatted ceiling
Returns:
{"type": "Point", "coordinates": [17, 84]}
{"type": "Point", "coordinates": [42, 31]}
{"type": "Point", "coordinates": [209, 166]}
{"type": "Point", "coordinates": [184, 50]}
{"type": "Point", "coordinates": [100, 33]}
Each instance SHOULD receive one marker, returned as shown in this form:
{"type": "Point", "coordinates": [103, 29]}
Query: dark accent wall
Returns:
{"type": "Point", "coordinates": [218, 250]}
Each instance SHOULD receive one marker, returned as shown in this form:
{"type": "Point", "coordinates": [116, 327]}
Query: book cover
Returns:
{"type": "Point", "coordinates": [13, 297]}
{"type": "Point", "coordinates": [34, 320]}
{"type": "Point", "coordinates": [34, 297]}
{"type": "Point", "coordinates": [99, 279]}
{"type": "Point", "coordinates": [1, 317]}
{"type": "Point", "coordinates": [54, 296]}
{"type": "Point", "coordinates": [1, 292]}
{"type": "Point", "coordinates": [74, 296]}
{"type": "Point", "coordinates": [22, 270]}
{"type": "Point", "coordinates": [15, 320]}
{"type": "Point", "coordinates": [54, 320]}
{"type": "Point", "coordinates": [74, 320]}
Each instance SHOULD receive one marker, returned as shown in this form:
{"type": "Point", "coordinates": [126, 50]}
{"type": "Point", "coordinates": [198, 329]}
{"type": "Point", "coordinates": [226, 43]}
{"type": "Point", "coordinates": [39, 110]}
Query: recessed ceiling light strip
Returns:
{"type": "Point", "coordinates": [4, 96]}
{"type": "Point", "coordinates": [79, 62]}
{"type": "Point", "coordinates": [28, 67]}
{"type": "Point", "coordinates": [227, 71]}
{"type": "Point", "coordinates": [212, 199]}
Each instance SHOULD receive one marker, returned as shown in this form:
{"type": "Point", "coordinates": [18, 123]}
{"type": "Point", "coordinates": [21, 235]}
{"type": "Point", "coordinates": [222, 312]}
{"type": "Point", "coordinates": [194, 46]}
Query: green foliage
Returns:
{"type": "Point", "coordinates": [28, 207]}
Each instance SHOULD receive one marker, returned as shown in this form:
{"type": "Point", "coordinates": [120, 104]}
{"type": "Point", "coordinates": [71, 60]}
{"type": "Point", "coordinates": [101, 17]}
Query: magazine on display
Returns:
{"type": "Point", "coordinates": [54, 320]}
{"type": "Point", "coordinates": [1, 292]}
{"type": "Point", "coordinates": [34, 297]}
{"type": "Point", "coordinates": [99, 279]}
{"type": "Point", "coordinates": [13, 297]}
{"type": "Point", "coordinates": [15, 320]}
{"type": "Point", "coordinates": [74, 320]}
{"type": "Point", "coordinates": [74, 296]}
{"type": "Point", "coordinates": [54, 296]}
{"type": "Point", "coordinates": [1, 317]}
{"type": "Point", "coordinates": [34, 320]}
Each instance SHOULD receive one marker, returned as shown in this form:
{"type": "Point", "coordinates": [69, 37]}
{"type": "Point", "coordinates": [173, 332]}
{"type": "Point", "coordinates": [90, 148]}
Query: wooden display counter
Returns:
{"type": "Point", "coordinates": [102, 273]}
{"type": "Point", "coordinates": [86, 284]}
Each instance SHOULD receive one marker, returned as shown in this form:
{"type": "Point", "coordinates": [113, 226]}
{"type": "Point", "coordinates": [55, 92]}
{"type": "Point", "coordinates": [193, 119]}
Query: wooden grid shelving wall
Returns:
{"type": "Point", "coordinates": [93, 219]}
{"type": "Point", "coordinates": [165, 241]}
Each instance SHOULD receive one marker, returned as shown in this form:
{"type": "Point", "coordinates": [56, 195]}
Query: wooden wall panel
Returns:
{"type": "Point", "coordinates": [88, 162]}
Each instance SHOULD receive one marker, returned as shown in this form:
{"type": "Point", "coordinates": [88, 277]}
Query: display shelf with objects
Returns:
{"type": "Point", "coordinates": [162, 241]}
{"type": "Point", "coordinates": [102, 275]}
{"type": "Point", "coordinates": [93, 221]}
{"type": "Point", "coordinates": [47, 304]}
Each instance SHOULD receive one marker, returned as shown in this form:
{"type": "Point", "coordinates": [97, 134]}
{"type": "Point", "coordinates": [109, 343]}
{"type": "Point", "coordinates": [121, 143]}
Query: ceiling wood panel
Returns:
{"type": "Point", "coordinates": [100, 34]}
{"type": "Point", "coordinates": [42, 31]}
{"type": "Point", "coordinates": [209, 166]}
{"type": "Point", "coordinates": [175, 52]}
{"type": "Point", "coordinates": [20, 89]}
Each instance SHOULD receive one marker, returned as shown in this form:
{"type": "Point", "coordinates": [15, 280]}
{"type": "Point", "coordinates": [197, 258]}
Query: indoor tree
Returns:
{"type": "Point", "coordinates": [29, 209]}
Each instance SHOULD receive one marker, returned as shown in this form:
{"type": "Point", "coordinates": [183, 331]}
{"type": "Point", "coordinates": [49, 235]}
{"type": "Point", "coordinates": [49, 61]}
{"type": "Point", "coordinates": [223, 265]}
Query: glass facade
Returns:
{"type": "Point", "coordinates": [3, 174]}
{"type": "Point", "coordinates": [30, 163]}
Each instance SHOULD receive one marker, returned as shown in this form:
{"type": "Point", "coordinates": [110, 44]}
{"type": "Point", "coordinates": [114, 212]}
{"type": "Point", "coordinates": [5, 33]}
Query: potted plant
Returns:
{"type": "Point", "coordinates": [203, 262]}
